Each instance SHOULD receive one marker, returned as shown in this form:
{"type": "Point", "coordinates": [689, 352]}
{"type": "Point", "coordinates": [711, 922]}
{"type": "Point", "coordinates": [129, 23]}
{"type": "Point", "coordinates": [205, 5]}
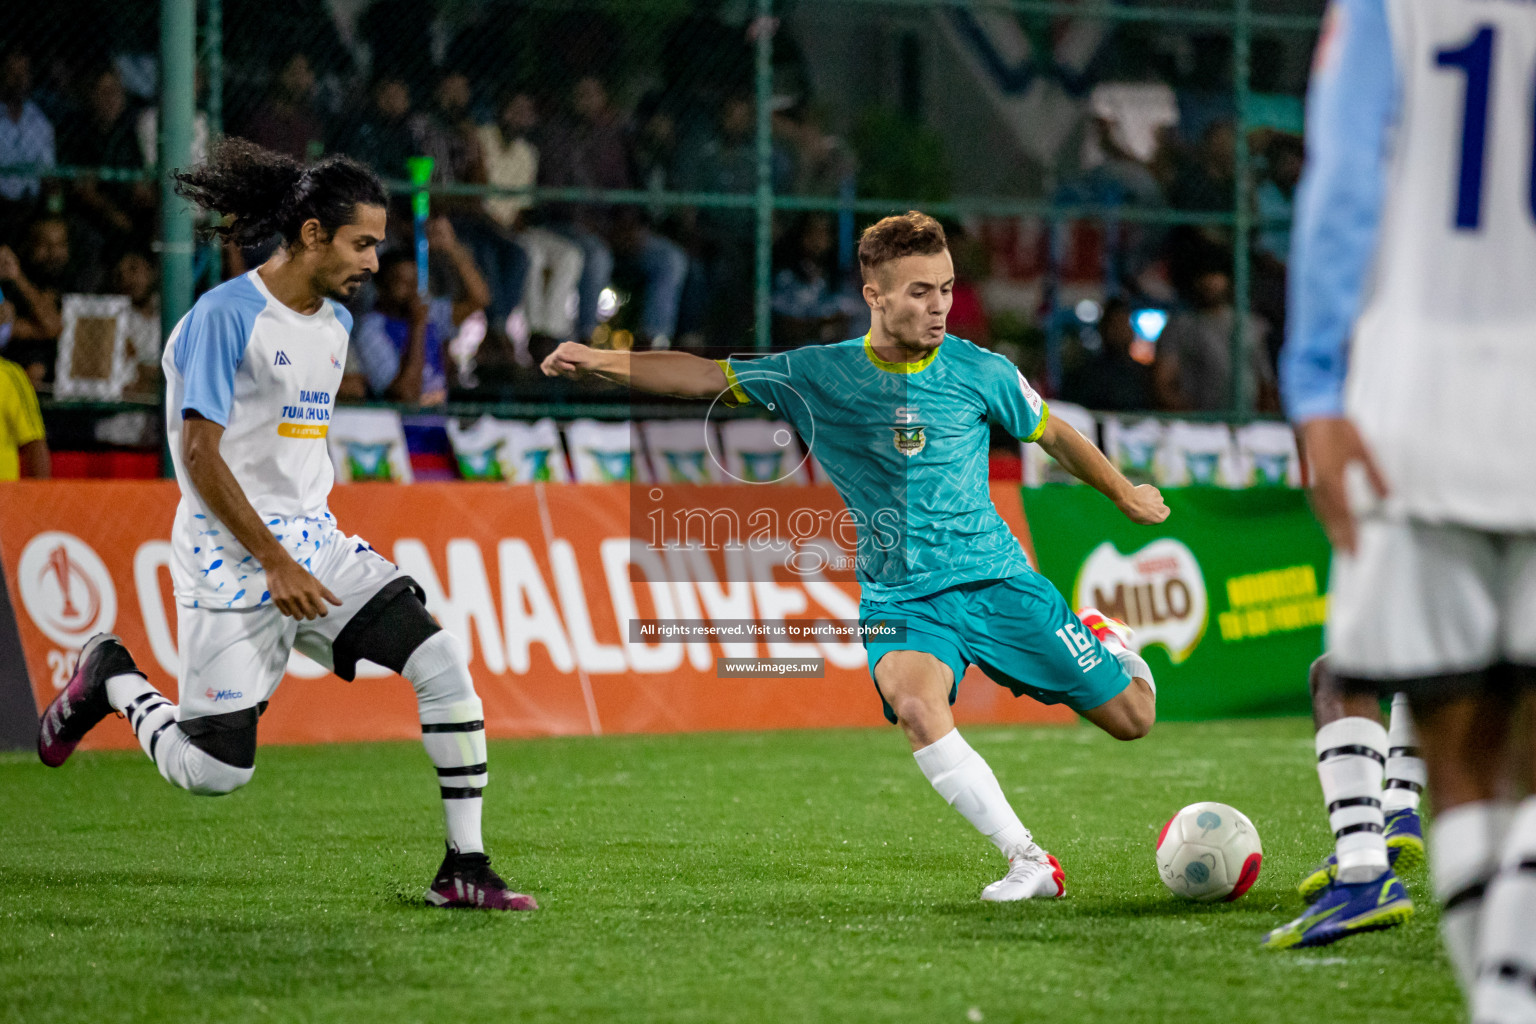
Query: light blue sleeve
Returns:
{"type": "Point", "coordinates": [342, 313]}
{"type": "Point", "coordinates": [1351, 104]}
{"type": "Point", "coordinates": [1010, 400]}
{"type": "Point", "coordinates": [377, 355]}
{"type": "Point", "coordinates": [211, 347]}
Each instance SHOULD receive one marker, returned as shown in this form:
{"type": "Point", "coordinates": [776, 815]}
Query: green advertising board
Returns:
{"type": "Point", "coordinates": [1229, 595]}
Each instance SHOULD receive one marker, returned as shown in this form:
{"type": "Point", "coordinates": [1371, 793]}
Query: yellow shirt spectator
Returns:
{"type": "Point", "coordinates": [21, 423]}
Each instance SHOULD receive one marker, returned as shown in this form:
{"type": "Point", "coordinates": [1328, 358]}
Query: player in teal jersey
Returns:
{"type": "Point", "coordinates": [898, 420]}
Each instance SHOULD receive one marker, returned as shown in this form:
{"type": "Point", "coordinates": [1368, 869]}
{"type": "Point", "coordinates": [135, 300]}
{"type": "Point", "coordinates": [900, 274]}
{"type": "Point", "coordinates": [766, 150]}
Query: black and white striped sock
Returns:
{"type": "Point", "coordinates": [1405, 768]}
{"type": "Point", "coordinates": [453, 731]}
{"type": "Point", "coordinates": [1351, 758]}
{"type": "Point", "coordinates": [149, 712]}
{"type": "Point", "coordinates": [1506, 955]}
{"type": "Point", "coordinates": [1464, 846]}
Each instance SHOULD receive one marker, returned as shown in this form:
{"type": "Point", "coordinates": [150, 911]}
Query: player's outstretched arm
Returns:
{"type": "Point", "coordinates": [1143, 504]}
{"type": "Point", "coordinates": [662, 373]}
{"type": "Point", "coordinates": [294, 591]}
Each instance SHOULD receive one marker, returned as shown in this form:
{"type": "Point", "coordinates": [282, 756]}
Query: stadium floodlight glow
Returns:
{"type": "Point", "coordinates": [1088, 311]}
{"type": "Point", "coordinates": [1149, 323]}
{"type": "Point", "coordinates": [607, 303]}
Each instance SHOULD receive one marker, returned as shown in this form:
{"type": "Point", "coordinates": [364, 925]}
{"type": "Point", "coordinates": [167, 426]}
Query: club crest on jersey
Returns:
{"type": "Point", "coordinates": [910, 437]}
{"type": "Point", "coordinates": [910, 440]}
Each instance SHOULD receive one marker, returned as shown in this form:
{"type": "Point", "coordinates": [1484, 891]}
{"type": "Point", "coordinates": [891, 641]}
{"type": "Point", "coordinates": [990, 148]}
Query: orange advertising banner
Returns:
{"type": "Point", "coordinates": [539, 581]}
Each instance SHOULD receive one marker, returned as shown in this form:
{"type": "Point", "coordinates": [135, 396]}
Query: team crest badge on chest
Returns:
{"type": "Point", "coordinates": [910, 440]}
{"type": "Point", "coordinates": [910, 437]}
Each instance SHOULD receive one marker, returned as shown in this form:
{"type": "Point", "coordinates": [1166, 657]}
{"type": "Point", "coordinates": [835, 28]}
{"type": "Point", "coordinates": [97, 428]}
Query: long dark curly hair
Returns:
{"type": "Point", "coordinates": [266, 193]}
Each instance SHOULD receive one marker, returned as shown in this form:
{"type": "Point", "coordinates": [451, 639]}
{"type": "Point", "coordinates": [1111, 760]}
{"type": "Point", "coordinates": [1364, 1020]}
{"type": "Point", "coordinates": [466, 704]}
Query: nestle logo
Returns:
{"type": "Point", "coordinates": [213, 694]}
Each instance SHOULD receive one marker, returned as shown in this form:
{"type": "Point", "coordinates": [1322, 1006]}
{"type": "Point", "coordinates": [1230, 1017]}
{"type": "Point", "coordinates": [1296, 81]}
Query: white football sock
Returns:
{"type": "Point", "coordinates": [453, 731]}
{"type": "Point", "coordinates": [1506, 957]}
{"type": "Point", "coordinates": [1463, 857]}
{"type": "Point", "coordinates": [1405, 768]}
{"type": "Point", "coordinates": [1351, 755]}
{"type": "Point", "coordinates": [967, 784]}
{"type": "Point", "coordinates": [153, 719]}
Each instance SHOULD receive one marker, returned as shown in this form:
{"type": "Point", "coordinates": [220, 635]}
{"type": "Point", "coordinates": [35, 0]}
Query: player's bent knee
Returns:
{"type": "Point", "coordinates": [1129, 727]}
{"type": "Point", "coordinates": [1129, 716]}
{"type": "Point", "coordinates": [208, 776]}
{"type": "Point", "coordinates": [386, 630]}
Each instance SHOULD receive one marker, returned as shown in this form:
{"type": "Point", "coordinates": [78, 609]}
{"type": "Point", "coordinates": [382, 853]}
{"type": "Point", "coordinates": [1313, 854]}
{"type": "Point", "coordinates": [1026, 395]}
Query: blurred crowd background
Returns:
{"type": "Point", "coordinates": [1117, 188]}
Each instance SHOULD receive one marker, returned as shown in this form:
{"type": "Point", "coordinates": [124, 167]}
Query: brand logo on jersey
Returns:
{"type": "Point", "coordinates": [213, 694]}
{"type": "Point", "coordinates": [335, 363]}
{"type": "Point", "coordinates": [66, 588]}
{"type": "Point", "coordinates": [1031, 398]}
{"type": "Point", "coordinates": [283, 360]}
{"type": "Point", "coordinates": [1158, 591]}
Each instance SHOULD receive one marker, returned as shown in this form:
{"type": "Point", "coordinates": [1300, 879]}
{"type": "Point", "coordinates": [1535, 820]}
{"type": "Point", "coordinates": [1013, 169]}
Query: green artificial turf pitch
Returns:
{"type": "Point", "coordinates": [783, 876]}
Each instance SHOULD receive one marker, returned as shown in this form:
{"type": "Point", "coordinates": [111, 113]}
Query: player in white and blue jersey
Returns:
{"type": "Point", "coordinates": [259, 564]}
{"type": "Point", "coordinates": [1410, 372]}
{"type": "Point", "coordinates": [898, 420]}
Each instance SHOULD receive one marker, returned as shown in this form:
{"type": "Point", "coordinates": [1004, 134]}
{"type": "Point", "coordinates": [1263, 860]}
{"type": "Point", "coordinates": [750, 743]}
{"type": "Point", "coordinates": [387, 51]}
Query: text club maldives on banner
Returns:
{"type": "Point", "coordinates": [539, 581]}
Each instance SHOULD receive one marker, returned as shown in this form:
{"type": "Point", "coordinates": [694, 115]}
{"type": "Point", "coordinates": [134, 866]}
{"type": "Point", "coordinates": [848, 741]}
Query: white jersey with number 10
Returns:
{"type": "Point", "coordinates": [1414, 256]}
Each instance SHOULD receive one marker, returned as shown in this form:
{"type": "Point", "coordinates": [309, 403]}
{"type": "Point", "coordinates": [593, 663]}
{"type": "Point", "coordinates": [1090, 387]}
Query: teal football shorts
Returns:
{"type": "Point", "coordinates": [1018, 630]}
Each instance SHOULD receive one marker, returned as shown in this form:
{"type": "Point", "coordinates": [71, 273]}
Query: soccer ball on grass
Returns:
{"type": "Point", "coordinates": [1209, 852]}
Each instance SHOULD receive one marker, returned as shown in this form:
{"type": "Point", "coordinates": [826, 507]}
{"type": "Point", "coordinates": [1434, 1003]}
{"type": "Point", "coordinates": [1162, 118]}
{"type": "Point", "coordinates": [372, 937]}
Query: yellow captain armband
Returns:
{"type": "Point", "coordinates": [736, 395]}
{"type": "Point", "coordinates": [1045, 415]}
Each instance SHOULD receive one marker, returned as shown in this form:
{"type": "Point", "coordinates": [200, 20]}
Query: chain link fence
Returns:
{"type": "Point", "coordinates": [654, 173]}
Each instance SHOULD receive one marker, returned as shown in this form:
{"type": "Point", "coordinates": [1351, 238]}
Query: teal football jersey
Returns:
{"type": "Point", "coordinates": [906, 445]}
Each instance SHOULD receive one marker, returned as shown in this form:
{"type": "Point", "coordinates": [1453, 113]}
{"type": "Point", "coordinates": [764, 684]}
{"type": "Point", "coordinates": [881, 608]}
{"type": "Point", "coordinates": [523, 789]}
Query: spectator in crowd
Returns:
{"type": "Point", "coordinates": [1120, 178]}
{"type": "Point", "coordinates": [106, 136]}
{"type": "Point", "coordinates": [23, 445]}
{"type": "Point", "coordinates": [447, 133]}
{"type": "Point", "coordinates": [819, 162]}
{"type": "Point", "coordinates": [134, 276]}
{"type": "Point", "coordinates": [1283, 156]}
{"type": "Point", "coordinates": [402, 346]}
{"type": "Point", "coordinates": [147, 127]}
{"type": "Point", "coordinates": [586, 148]}
{"type": "Point", "coordinates": [451, 138]}
{"type": "Point", "coordinates": [381, 135]}
{"type": "Point", "coordinates": [287, 121]}
{"type": "Point", "coordinates": [591, 149]}
{"type": "Point", "coordinates": [35, 287]}
{"type": "Point", "coordinates": [510, 159]}
{"type": "Point", "coordinates": [1207, 180]}
{"type": "Point", "coordinates": [26, 137]}
{"type": "Point", "coordinates": [1109, 380]}
{"type": "Point", "coordinates": [808, 304]}
{"type": "Point", "coordinates": [724, 238]}
{"type": "Point", "coordinates": [968, 316]}
{"type": "Point", "coordinates": [399, 34]}
{"type": "Point", "coordinates": [1193, 368]}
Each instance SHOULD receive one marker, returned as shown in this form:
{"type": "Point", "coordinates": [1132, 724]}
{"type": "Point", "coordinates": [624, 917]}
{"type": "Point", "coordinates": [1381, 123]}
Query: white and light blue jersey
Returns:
{"type": "Point", "coordinates": [906, 446]}
{"type": "Point", "coordinates": [1412, 305]}
{"type": "Point", "coordinates": [268, 374]}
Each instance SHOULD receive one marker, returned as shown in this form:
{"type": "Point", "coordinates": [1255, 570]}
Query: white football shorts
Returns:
{"type": "Point", "coordinates": [233, 659]}
{"type": "Point", "coordinates": [1419, 600]}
